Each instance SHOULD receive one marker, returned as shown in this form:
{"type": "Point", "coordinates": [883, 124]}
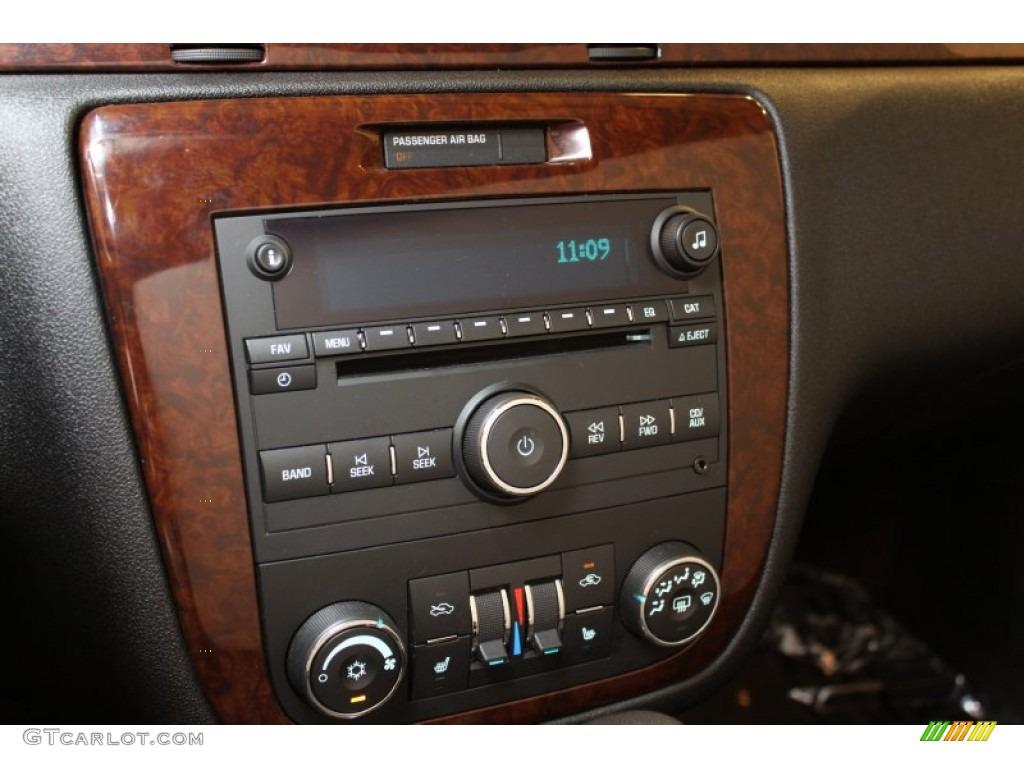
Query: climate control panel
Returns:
{"type": "Point", "coordinates": [487, 627]}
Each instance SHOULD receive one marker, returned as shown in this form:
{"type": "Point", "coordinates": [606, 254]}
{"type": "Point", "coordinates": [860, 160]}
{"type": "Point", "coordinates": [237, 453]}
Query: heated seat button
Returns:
{"type": "Point", "coordinates": [360, 464]}
{"type": "Point", "coordinates": [440, 668]}
{"type": "Point", "coordinates": [593, 432]}
{"type": "Point", "coordinates": [294, 473]}
{"type": "Point", "coordinates": [646, 424]}
{"type": "Point", "coordinates": [587, 636]}
{"type": "Point", "coordinates": [588, 577]}
{"type": "Point", "coordinates": [423, 456]}
{"type": "Point", "coordinates": [439, 607]}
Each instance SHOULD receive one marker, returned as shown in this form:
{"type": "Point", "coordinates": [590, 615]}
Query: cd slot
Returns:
{"type": "Point", "coordinates": [447, 357]}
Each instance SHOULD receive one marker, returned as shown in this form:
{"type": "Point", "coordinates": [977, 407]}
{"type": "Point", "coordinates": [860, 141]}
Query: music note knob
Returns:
{"type": "Point", "coordinates": [683, 241]}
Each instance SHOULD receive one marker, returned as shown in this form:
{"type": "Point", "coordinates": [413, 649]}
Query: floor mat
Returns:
{"type": "Point", "coordinates": [832, 656]}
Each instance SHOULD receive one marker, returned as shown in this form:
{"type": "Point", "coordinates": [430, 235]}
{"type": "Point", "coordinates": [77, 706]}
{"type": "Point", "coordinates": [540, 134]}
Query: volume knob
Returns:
{"type": "Point", "coordinates": [514, 445]}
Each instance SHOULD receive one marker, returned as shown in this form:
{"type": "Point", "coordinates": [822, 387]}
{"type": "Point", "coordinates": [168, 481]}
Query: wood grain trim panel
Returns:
{"type": "Point", "coordinates": [156, 57]}
{"type": "Point", "coordinates": [154, 174]}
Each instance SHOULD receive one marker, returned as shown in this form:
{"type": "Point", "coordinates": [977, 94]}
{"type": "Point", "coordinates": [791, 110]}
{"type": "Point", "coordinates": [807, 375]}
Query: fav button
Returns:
{"type": "Point", "coordinates": [275, 348]}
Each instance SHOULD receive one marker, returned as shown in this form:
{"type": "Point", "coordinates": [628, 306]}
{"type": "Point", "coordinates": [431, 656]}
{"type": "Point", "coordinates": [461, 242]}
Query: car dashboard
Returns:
{"type": "Point", "coordinates": [476, 384]}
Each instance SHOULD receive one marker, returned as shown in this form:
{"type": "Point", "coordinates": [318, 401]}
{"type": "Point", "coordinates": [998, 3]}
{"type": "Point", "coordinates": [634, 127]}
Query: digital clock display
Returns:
{"type": "Point", "coordinates": [393, 263]}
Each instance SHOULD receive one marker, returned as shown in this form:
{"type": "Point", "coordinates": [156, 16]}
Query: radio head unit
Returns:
{"type": "Point", "coordinates": [484, 443]}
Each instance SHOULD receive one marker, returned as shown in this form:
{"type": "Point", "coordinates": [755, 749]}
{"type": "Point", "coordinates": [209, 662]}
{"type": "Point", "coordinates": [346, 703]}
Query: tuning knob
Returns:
{"type": "Point", "coordinates": [683, 241]}
{"type": "Point", "coordinates": [346, 659]}
{"type": "Point", "coordinates": [514, 445]}
{"type": "Point", "coordinates": [670, 594]}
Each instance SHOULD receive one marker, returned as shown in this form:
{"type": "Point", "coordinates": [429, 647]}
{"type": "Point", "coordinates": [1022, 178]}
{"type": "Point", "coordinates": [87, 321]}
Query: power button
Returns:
{"type": "Point", "coordinates": [515, 444]}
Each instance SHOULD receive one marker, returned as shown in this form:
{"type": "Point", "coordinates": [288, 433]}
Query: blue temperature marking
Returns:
{"type": "Point", "coordinates": [641, 598]}
{"type": "Point", "coordinates": [517, 647]}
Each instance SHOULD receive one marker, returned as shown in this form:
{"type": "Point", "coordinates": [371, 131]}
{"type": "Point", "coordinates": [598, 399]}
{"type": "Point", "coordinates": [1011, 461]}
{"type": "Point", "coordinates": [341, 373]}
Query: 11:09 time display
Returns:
{"type": "Point", "coordinates": [592, 249]}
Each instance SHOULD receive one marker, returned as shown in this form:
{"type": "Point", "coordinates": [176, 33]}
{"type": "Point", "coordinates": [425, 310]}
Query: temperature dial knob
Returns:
{"type": "Point", "coordinates": [683, 241]}
{"type": "Point", "coordinates": [346, 659]}
{"type": "Point", "coordinates": [514, 445]}
{"type": "Point", "coordinates": [670, 594]}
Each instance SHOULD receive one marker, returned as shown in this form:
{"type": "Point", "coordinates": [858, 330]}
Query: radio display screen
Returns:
{"type": "Point", "coordinates": [395, 263]}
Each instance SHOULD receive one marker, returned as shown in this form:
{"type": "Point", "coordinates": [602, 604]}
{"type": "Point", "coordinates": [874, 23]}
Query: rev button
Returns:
{"type": "Point", "coordinates": [594, 432]}
{"type": "Point", "coordinates": [360, 464]}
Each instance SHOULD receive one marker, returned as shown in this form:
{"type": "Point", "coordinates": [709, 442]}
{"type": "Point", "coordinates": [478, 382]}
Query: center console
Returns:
{"type": "Point", "coordinates": [463, 426]}
{"type": "Point", "coordinates": [473, 405]}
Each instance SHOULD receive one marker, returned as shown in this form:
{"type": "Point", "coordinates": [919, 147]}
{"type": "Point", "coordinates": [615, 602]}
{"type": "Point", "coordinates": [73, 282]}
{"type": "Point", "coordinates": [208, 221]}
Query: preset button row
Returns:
{"type": "Point", "coordinates": [395, 336]}
{"type": "Point", "coordinates": [355, 465]}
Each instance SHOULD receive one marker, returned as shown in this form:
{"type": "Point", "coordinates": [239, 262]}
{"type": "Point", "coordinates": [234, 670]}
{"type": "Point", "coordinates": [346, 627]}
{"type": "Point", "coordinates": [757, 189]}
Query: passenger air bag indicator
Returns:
{"type": "Point", "coordinates": [463, 146]}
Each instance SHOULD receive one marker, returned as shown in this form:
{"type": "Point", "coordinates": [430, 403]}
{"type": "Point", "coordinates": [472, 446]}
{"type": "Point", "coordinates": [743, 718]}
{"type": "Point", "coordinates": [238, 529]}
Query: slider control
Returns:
{"type": "Point", "coordinates": [546, 607]}
{"type": "Point", "coordinates": [491, 624]}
